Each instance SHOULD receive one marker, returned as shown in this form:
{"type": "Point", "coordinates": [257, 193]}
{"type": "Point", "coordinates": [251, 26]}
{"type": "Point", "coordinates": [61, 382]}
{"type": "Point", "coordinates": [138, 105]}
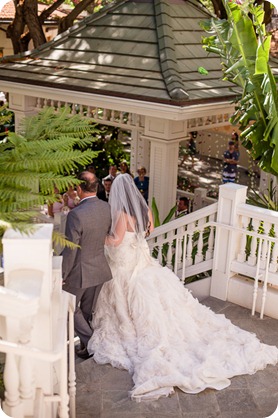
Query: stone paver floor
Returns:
{"type": "Point", "coordinates": [102, 391]}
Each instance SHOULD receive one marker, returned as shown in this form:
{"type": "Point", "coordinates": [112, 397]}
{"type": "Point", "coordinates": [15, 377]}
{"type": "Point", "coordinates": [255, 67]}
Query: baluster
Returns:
{"type": "Point", "coordinates": [209, 252]}
{"type": "Point", "coordinates": [265, 246]}
{"type": "Point", "coordinates": [51, 103]}
{"type": "Point", "coordinates": [257, 276]}
{"type": "Point", "coordinates": [129, 119]}
{"type": "Point", "coordinates": [241, 257]}
{"type": "Point", "coordinates": [26, 387]}
{"type": "Point", "coordinates": [105, 114]}
{"type": "Point", "coordinates": [112, 115]}
{"type": "Point", "coordinates": [159, 257]}
{"type": "Point", "coordinates": [273, 264]}
{"type": "Point", "coordinates": [252, 259]}
{"type": "Point", "coordinates": [58, 104]}
{"type": "Point", "coordinates": [121, 117]}
{"type": "Point", "coordinates": [63, 406]}
{"type": "Point", "coordinates": [73, 109]}
{"type": "Point", "coordinates": [39, 103]}
{"type": "Point", "coordinates": [72, 374]}
{"type": "Point", "coordinates": [169, 255]}
{"type": "Point", "coordinates": [45, 103]}
{"type": "Point", "coordinates": [11, 381]}
{"type": "Point", "coordinates": [89, 110]}
{"type": "Point", "coordinates": [81, 110]}
{"type": "Point", "coordinates": [190, 231]}
{"type": "Point", "coordinates": [199, 256]}
{"type": "Point", "coordinates": [265, 280]}
{"type": "Point", "coordinates": [184, 256]}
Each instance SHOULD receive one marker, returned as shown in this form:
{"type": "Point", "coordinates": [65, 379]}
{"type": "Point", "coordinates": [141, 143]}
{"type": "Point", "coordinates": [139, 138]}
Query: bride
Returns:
{"type": "Point", "coordinates": [148, 323]}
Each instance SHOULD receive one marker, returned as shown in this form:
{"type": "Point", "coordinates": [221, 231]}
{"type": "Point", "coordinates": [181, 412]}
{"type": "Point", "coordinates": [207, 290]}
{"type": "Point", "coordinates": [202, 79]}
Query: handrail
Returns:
{"type": "Point", "coordinates": [184, 220]}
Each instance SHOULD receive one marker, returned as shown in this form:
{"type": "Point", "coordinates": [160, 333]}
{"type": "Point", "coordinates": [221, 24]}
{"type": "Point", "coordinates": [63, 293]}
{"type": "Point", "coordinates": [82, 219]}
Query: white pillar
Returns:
{"type": "Point", "coordinates": [164, 136]}
{"type": "Point", "coordinates": [226, 241]}
{"type": "Point", "coordinates": [22, 106]}
{"type": "Point", "coordinates": [140, 152]}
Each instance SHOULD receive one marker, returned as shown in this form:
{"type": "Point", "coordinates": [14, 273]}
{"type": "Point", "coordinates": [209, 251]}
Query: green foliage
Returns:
{"type": "Point", "coordinates": [36, 160]}
{"type": "Point", "coordinates": [110, 150]}
{"type": "Point", "coordinates": [243, 46]}
{"type": "Point", "coordinates": [156, 218]}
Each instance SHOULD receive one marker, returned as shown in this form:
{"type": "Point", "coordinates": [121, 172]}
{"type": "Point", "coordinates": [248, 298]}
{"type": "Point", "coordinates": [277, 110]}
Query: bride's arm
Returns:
{"type": "Point", "coordinates": [151, 221]}
{"type": "Point", "coordinates": [120, 230]}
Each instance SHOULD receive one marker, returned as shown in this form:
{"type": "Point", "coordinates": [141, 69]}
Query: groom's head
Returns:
{"type": "Point", "coordinates": [88, 185]}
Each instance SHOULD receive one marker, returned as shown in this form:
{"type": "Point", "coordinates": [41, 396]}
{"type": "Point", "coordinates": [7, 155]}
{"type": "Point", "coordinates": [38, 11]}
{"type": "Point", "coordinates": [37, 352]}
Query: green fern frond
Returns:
{"type": "Point", "coordinates": [38, 159]}
{"type": "Point", "coordinates": [60, 240]}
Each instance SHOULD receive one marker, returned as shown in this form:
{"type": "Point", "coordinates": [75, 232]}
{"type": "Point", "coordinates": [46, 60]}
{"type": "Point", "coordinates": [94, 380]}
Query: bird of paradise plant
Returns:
{"type": "Point", "coordinates": [243, 45]}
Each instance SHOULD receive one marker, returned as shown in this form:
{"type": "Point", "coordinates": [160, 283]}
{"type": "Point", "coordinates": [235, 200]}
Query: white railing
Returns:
{"type": "Point", "coordinates": [36, 329]}
{"type": "Point", "coordinates": [245, 238]}
{"type": "Point", "coordinates": [186, 244]}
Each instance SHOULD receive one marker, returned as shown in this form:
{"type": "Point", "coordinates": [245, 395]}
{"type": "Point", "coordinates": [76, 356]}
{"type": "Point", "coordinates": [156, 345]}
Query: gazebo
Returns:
{"type": "Point", "coordinates": [134, 65]}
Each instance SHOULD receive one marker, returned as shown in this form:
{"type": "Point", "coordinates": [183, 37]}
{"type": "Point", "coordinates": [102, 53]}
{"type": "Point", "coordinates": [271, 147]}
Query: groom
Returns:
{"type": "Point", "coordinates": [85, 268]}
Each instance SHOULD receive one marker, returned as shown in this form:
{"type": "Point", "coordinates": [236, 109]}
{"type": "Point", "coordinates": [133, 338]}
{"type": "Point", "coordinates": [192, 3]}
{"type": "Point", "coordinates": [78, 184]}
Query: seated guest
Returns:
{"type": "Point", "coordinates": [182, 208]}
{"type": "Point", "coordinates": [142, 182]}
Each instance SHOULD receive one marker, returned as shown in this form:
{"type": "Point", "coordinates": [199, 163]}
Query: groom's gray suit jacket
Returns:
{"type": "Point", "coordinates": [87, 225]}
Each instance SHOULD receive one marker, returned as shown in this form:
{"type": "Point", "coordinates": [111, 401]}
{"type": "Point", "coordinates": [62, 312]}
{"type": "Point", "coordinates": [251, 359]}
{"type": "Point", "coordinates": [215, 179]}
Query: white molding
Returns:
{"type": "Point", "coordinates": [146, 108]}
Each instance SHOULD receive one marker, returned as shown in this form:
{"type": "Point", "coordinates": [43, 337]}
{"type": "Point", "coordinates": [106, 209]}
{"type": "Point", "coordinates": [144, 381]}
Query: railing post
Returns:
{"type": "Point", "coordinates": [226, 241]}
{"type": "Point", "coordinates": [199, 195]}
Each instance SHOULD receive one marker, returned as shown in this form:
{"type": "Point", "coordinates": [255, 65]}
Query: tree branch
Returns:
{"type": "Point", "coordinates": [67, 22]}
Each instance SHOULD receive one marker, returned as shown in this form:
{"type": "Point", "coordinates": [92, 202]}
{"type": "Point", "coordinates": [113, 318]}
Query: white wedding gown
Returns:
{"type": "Point", "coordinates": [148, 323]}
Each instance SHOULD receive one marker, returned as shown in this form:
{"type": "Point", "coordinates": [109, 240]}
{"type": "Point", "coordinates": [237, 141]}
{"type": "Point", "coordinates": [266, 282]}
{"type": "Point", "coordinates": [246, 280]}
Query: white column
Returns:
{"type": "Point", "coordinates": [163, 175]}
{"type": "Point", "coordinates": [226, 241]}
{"type": "Point", "coordinates": [140, 152]}
{"type": "Point", "coordinates": [22, 106]}
{"type": "Point", "coordinates": [164, 137]}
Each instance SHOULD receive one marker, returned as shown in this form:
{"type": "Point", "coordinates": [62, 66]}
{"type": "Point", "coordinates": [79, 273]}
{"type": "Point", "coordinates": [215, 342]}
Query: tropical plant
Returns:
{"type": "Point", "coordinates": [243, 45]}
{"type": "Point", "coordinates": [36, 160]}
{"type": "Point", "coordinates": [156, 217]}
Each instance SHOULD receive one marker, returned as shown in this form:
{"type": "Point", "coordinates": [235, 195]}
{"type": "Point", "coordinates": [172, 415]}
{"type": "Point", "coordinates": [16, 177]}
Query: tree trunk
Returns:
{"type": "Point", "coordinates": [219, 9]}
{"type": "Point", "coordinates": [32, 20]}
{"type": "Point", "coordinates": [16, 28]}
{"type": "Point", "coordinates": [67, 22]}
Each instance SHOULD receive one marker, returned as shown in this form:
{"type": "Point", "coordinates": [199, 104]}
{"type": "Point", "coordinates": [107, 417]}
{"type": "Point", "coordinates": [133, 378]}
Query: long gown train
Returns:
{"type": "Point", "coordinates": [148, 323]}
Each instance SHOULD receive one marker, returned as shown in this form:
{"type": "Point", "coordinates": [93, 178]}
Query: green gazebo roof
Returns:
{"type": "Point", "coordinates": [141, 49]}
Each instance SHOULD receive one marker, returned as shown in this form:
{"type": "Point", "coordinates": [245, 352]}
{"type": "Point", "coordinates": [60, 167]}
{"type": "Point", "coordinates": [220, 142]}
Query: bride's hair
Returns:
{"type": "Point", "coordinates": [126, 199]}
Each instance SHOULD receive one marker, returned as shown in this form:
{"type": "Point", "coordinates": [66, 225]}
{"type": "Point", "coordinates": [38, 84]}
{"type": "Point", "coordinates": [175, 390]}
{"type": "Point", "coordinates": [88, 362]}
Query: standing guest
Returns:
{"type": "Point", "coordinates": [112, 173]}
{"type": "Point", "coordinates": [142, 182]}
{"type": "Point", "coordinates": [56, 206]}
{"type": "Point", "coordinates": [100, 188]}
{"type": "Point", "coordinates": [231, 157]}
{"type": "Point", "coordinates": [125, 168]}
{"type": "Point", "coordinates": [235, 139]}
{"type": "Point", "coordinates": [71, 198]}
{"type": "Point", "coordinates": [85, 268]}
{"type": "Point", "coordinates": [182, 208]}
{"type": "Point", "coordinates": [107, 187]}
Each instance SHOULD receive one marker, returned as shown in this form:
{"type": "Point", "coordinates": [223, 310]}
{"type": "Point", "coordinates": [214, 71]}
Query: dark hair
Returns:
{"type": "Point", "coordinates": [231, 143]}
{"type": "Point", "coordinates": [108, 179]}
{"type": "Point", "coordinates": [89, 182]}
{"type": "Point", "coordinates": [185, 200]}
{"type": "Point", "coordinates": [236, 135]}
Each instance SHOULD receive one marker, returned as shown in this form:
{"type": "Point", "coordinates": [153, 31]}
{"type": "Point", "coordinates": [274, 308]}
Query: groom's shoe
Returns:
{"type": "Point", "coordinates": [83, 354]}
